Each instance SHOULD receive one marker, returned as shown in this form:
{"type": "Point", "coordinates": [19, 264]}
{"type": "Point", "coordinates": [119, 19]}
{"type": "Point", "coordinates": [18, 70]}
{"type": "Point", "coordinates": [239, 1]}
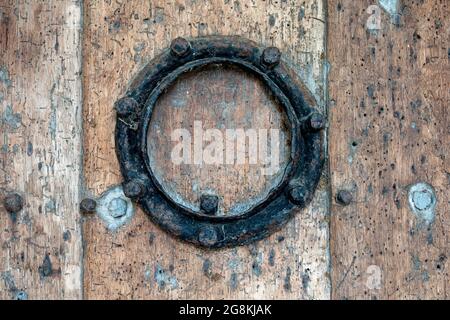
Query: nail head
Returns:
{"type": "Point", "coordinates": [13, 202]}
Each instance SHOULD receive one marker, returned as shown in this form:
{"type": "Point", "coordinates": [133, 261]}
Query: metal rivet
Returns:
{"type": "Point", "coordinates": [13, 202]}
{"type": "Point", "coordinates": [117, 208]}
{"type": "Point", "coordinates": [422, 201]}
{"type": "Point", "coordinates": [344, 197]}
{"type": "Point", "coordinates": [88, 205]}
{"type": "Point", "coordinates": [180, 47]}
{"type": "Point", "coordinates": [298, 195]}
{"type": "Point", "coordinates": [133, 189]}
{"type": "Point", "coordinates": [209, 203]}
{"type": "Point", "coordinates": [125, 106]}
{"type": "Point", "coordinates": [316, 121]}
{"type": "Point", "coordinates": [271, 56]}
{"type": "Point", "coordinates": [207, 236]}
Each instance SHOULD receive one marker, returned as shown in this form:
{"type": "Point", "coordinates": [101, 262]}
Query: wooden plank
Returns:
{"type": "Point", "coordinates": [141, 261]}
{"type": "Point", "coordinates": [40, 130]}
{"type": "Point", "coordinates": [389, 96]}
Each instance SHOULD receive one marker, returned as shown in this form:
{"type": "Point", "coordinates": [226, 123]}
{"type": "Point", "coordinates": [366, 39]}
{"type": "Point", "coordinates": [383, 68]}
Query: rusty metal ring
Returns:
{"type": "Point", "coordinates": [134, 112]}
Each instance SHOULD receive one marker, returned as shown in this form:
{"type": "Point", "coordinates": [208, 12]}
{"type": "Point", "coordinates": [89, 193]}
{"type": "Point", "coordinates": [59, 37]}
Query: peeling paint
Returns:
{"type": "Point", "coordinates": [52, 123]}
{"type": "Point", "coordinates": [163, 279]}
{"type": "Point", "coordinates": [391, 7]}
{"type": "Point", "coordinates": [256, 266]}
{"type": "Point", "coordinates": [11, 119]}
{"type": "Point", "coordinates": [4, 76]}
{"type": "Point", "coordinates": [287, 280]}
{"type": "Point", "coordinates": [45, 270]}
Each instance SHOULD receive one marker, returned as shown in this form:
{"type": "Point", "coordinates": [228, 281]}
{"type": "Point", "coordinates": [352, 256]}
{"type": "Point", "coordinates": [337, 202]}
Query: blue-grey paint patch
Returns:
{"type": "Point", "coordinates": [8, 279]}
{"type": "Point", "coordinates": [422, 201]}
{"type": "Point", "coordinates": [11, 119]}
{"type": "Point", "coordinates": [392, 8]}
{"type": "Point", "coordinates": [179, 102]}
{"type": "Point", "coordinates": [271, 257]}
{"type": "Point", "coordinates": [159, 15]}
{"type": "Point", "coordinates": [287, 280]}
{"type": "Point", "coordinates": [233, 264]}
{"type": "Point", "coordinates": [256, 265]}
{"type": "Point", "coordinates": [114, 208]}
{"type": "Point", "coordinates": [4, 76]}
{"type": "Point", "coordinates": [306, 279]}
{"type": "Point", "coordinates": [29, 148]}
{"type": "Point", "coordinates": [46, 269]}
{"type": "Point", "coordinates": [117, 207]}
{"type": "Point", "coordinates": [352, 149]}
{"type": "Point", "coordinates": [21, 295]}
{"type": "Point", "coordinates": [10, 285]}
{"type": "Point", "coordinates": [165, 280]}
{"type": "Point", "coordinates": [147, 273]}
{"type": "Point", "coordinates": [138, 47]}
{"type": "Point", "coordinates": [52, 123]}
{"type": "Point", "coordinates": [206, 268]}
{"type": "Point", "coordinates": [234, 281]}
{"type": "Point", "coordinates": [50, 206]}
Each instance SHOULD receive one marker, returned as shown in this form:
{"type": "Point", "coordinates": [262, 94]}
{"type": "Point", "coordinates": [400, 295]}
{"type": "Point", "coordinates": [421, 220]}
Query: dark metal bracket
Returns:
{"type": "Point", "coordinates": [303, 172]}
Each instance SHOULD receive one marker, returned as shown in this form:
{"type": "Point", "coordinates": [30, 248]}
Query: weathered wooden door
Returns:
{"type": "Point", "coordinates": [377, 225]}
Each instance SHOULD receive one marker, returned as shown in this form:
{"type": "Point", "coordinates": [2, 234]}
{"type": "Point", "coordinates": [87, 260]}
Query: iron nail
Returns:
{"type": "Point", "coordinates": [133, 189]}
{"type": "Point", "coordinates": [271, 56]}
{"type": "Point", "coordinates": [13, 202]}
{"type": "Point", "coordinates": [344, 197]}
{"type": "Point", "coordinates": [298, 195]}
{"type": "Point", "coordinates": [125, 106]}
{"type": "Point", "coordinates": [88, 205]}
{"type": "Point", "coordinates": [209, 203]}
{"type": "Point", "coordinates": [180, 47]}
{"type": "Point", "coordinates": [207, 236]}
{"type": "Point", "coordinates": [316, 121]}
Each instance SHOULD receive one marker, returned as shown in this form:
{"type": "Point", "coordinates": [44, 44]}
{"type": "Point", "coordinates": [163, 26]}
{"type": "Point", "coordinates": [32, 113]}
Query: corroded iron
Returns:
{"type": "Point", "coordinates": [204, 228]}
{"type": "Point", "coordinates": [13, 202]}
{"type": "Point", "coordinates": [344, 197]}
{"type": "Point", "coordinates": [88, 205]}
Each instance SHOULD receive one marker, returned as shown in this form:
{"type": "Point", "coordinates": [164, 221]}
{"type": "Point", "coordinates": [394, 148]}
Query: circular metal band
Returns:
{"type": "Point", "coordinates": [134, 113]}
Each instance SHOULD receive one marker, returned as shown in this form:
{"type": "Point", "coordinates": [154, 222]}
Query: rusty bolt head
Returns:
{"type": "Point", "coordinates": [209, 203]}
{"type": "Point", "coordinates": [344, 197]}
{"type": "Point", "coordinates": [13, 202]}
{"type": "Point", "coordinates": [207, 236]}
{"type": "Point", "coordinates": [316, 121]}
{"type": "Point", "coordinates": [125, 106]}
{"type": "Point", "coordinates": [88, 205]}
{"type": "Point", "coordinates": [180, 47]}
{"type": "Point", "coordinates": [133, 189]}
{"type": "Point", "coordinates": [298, 195]}
{"type": "Point", "coordinates": [271, 56]}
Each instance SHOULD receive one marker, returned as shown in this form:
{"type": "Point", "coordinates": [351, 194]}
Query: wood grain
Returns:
{"type": "Point", "coordinates": [219, 98]}
{"type": "Point", "coordinates": [389, 94]}
{"type": "Point", "coordinates": [141, 261]}
{"type": "Point", "coordinates": [40, 132]}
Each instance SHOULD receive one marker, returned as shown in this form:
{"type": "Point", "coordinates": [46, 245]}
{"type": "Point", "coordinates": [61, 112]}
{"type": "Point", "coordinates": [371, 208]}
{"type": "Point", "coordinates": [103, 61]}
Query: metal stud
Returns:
{"type": "Point", "coordinates": [133, 189]}
{"type": "Point", "coordinates": [13, 202]}
{"type": "Point", "coordinates": [344, 197]}
{"type": "Point", "coordinates": [88, 205]}
{"type": "Point", "coordinates": [180, 47]}
{"type": "Point", "coordinates": [271, 57]}
{"type": "Point", "coordinates": [209, 203]}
